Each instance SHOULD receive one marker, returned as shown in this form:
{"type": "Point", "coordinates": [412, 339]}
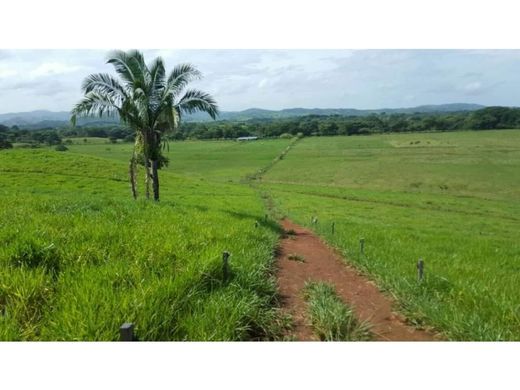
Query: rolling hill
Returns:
{"type": "Point", "coordinates": [42, 118]}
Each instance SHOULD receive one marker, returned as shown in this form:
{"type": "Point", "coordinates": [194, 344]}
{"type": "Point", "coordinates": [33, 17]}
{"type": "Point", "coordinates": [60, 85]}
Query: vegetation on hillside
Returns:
{"type": "Point", "coordinates": [489, 118]}
{"type": "Point", "coordinates": [79, 260]}
{"type": "Point", "coordinates": [485, 119]}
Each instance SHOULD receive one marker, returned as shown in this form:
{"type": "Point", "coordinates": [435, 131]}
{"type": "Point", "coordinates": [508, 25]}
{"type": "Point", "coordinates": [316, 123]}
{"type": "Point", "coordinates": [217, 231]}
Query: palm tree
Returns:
{"type": "Point", "coordinates": [148, 101]}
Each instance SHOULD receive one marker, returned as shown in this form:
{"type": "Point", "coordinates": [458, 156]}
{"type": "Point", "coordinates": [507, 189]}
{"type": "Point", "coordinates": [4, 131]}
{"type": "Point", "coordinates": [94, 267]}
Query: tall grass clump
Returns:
{"type": "Point", "coordinates": [330, 317]}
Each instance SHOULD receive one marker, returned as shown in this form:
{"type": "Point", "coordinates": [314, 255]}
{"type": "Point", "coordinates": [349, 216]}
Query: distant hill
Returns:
{"type": "Point", "coordinates": [42, 119]}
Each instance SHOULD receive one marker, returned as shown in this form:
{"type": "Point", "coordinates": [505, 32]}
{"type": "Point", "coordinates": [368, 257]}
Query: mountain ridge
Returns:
{"type": "Point", "coordinates": [46, 118]}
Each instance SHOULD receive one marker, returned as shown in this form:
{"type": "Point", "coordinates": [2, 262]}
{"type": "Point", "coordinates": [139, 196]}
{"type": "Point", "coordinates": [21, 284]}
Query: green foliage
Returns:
{"type": "Point", "coordinates": [5, 144]}
{"type": "Point", "coordinates": [323, 125]}
{"type": "Point", "coordinates": [79, 259]}
{"type": "Point", "coordinates": [61, 148]}
{"type": "Point", "coordinates": [330, 317]}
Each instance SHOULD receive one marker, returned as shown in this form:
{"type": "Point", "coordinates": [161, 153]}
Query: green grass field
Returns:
{"type": "Point", "coordinates": [449, 198]}
{"type": "Point", "coordinates": [80, 257]}
{"type": "Point", "coordinates": [229, 161]}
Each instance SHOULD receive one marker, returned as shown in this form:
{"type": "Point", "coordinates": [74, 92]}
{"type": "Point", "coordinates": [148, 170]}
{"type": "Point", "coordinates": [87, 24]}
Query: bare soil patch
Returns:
{"type": "Point", "coordinates": [323, 264]}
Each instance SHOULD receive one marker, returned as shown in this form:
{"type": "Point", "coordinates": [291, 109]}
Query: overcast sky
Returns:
{"type": "Point", "coordinates": [277, 79]}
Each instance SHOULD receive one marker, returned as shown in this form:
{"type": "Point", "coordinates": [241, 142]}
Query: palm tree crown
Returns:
{"type": "Point", "coordinates": [145, 99]}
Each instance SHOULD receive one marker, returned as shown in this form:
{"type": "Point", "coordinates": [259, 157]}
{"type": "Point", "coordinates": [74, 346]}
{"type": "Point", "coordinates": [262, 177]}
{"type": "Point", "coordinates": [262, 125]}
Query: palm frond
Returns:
{"type": "Point", "coordinates": [180, 77]}
{"type": "Point", "coordinates": [157, 84]}
{"type": "Point", "coordinates": [94, 104]}
{"type": "Point", "coordinates": [195, 100]}
{"type": "Point", "coordinates": [104, 83]}
{"type": "Point", "coordinates": [121, 62]}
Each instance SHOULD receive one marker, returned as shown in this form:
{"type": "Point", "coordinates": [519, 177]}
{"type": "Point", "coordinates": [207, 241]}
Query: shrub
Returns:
{"type": "Point", "coordinates": [5, 144]}
{"type": "Point", "coordinates": [33, 254]}
{"type": "Point", "coordinates": [61, 148]}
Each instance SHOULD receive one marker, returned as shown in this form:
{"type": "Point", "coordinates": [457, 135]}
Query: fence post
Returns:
{"type": "Point", "coordinates": [333, 224]}
{"type": "Point", "coordinates": [126, 332]}
{"type": "Point", "coordinates": [225, 265]}
{"type": "Point", "coordinates": [420, 270]}
{"type": "Point", "coordinates": [362, 246]}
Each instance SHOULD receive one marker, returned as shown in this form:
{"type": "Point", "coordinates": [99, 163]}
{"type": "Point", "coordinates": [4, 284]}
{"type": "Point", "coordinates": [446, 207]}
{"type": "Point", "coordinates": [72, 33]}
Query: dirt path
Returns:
{"type": "Point", "coordinates": [322, 263]}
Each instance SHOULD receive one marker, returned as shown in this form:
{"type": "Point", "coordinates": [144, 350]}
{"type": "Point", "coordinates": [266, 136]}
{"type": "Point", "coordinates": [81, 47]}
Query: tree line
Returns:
{"type": "Point", "coordinates": [313, 125]}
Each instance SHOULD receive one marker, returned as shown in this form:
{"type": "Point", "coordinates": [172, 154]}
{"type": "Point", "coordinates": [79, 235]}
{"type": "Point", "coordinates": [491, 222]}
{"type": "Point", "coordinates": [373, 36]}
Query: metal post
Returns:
{"type": "Point", "coordinates": [126, 332]}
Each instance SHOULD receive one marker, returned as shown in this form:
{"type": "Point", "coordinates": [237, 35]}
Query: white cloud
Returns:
{"type": "Point", "coordinates": [473, 87]}
{"type": "Point", "coordinates": [53, 68]}
{"type": "Point", "coordinates": [262, 83]}
{"type": "Point", "coordinates": [277, 79]}
{"type": "Point", "coordinates": [6, 71]}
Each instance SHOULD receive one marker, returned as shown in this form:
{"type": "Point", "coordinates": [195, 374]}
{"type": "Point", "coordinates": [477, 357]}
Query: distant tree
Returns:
{"type": "Point", "coordinates": [61, 148]}
{"type": "Point", "coordinates": [148, 101]}
{"type": "Point", "coordinates": [5, 144]}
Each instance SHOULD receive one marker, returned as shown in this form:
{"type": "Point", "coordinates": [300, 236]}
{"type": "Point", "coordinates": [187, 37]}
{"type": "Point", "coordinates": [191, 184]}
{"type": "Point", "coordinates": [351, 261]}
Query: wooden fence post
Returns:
{"type": "Point", "coordinates": [126, 332]}
{"type": "Point", "coordinates": [225, 265]}
{"type": "Point", "coordinates": [420, 270]}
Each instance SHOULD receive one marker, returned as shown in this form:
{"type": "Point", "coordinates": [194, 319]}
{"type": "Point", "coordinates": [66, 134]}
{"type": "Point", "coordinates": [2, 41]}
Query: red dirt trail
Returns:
{"type": "Point", "coordinates": [322, 263]}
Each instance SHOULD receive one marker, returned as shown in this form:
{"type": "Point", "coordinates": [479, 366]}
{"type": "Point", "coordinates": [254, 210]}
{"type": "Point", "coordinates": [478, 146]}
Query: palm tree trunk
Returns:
{"type": "Point", "coordinates": [147, 176]}
{"type": "Point", "coordinates": [132, 173]}
{"type": "Point", "coordinates": [146, 155]}
{"type": "Point", "coordinates": [155, 177]}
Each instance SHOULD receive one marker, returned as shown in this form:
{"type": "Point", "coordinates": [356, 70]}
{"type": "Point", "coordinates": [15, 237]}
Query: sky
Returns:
{"type": "Point", "coordinates": [277, 79]}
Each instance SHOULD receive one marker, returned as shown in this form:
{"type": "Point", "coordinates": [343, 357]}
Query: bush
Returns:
{"type": "Point", "coordinates": [5, 144]}
{"type": "Point", "coordinates": [285, 136]}
{"type": "Point", "coordinates": [61, 148]}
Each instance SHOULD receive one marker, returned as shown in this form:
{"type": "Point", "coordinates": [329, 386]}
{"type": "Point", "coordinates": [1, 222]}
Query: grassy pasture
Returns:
{"type": "Point", "coordinates": [450, 198]}
{"type": "Point", "coordinates": [79, 257]}
{"type": "Point", "coordinates": [214, 160]}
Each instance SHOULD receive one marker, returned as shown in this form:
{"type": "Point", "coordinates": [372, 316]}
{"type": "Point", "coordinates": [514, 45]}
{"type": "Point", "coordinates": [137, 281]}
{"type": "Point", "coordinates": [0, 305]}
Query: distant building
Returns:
{"type": "Point", "coordinates": [247, 138]}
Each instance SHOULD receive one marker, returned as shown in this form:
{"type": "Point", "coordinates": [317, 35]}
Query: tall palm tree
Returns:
{"type": "Point", "coordinates": [148, 101]}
